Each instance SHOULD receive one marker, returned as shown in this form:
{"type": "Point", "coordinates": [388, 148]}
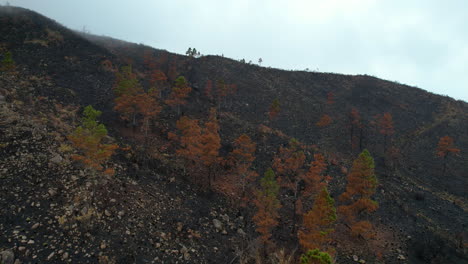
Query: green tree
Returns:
{"type": "Point", "coordinates": [7, 64]}
{"type": "Point", "coordinates": [315, 256]}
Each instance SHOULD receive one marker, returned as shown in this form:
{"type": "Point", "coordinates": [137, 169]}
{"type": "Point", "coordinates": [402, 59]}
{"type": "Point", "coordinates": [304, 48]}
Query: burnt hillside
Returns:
{"type": "Point", "coordinates": [422, 209]}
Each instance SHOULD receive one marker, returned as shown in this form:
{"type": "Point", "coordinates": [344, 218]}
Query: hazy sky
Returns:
{"type": "Point", "coordinates": [421, 43]}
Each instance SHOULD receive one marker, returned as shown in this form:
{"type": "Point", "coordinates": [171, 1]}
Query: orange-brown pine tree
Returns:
{"type": "Point", "coordinates": [199, 146]}
{"type": "Point", "coordinates": [318, 222]}
{"type": "Point", "coordinates": [361, 186]}
{"type": "Point", "coordinates": [314, 181]}
{"type": "Point", "coordinates": [444, 148]}
{"type": "Point", "coordinates": [179, 93]}
{"type": "Point", "coordinates": [267, 203]}
{"type": "Point", "coordinates": [324, 121]}
{"type": "Point", "coordinates": [274, 109]}
{"type": "Point", "coordinates": [127, 90]}
{"type": "Point", "coordinates": [209, 89]}
{"type": "Point", "coordinates": [355, 129]}
{"type": "Point", "coordinates": [88, 138]}
{"type": "Point", "coordinates": [211, 143]}
{"type": "Point", "coordinates": [288, 164]}
{"type": "Point", "coordinates": [237, 182]}
{"type": "Point", "coordinates": [385, 124]}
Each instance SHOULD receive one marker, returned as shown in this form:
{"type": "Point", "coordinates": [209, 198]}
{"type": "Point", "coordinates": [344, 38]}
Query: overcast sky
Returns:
{"type": "Point", "coordinates": [421, 43]}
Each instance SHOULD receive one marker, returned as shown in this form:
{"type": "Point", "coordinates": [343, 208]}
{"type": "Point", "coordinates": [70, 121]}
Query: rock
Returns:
{"type": "Point", "coordinates": [121, 213]}
{"type": "Point", "coordinates": [362, 261]}
{"type": "Point", "coordinates": [217, 224]}
{"type": "Point", "coordinates": [224, 232]}
{"type": "Point", "coordinates": [51, 255]}
{"type": "Point", "coordinates": [401, 257]}
{"type": "Point", "coordinates": [57, 159]}
{"type": "Point", "coordinates": [52, 192]}
{"type": "Point", "coordinates": [103, 245]}
{"type": "Point", "coordinates": [65, 255]}
{"type": "Point", "coordinates": [241, 232]}
{"type": "Point", "coordinates": [30, 242]}
{"type": "Point", "coordinates": [180, 226]}
{"type": "Point", "coordinates": [2, 99]}
{"type": "Point", "coordinates": [36, 225]}
{"type": "Point", "coordinates": [17, 261]}
{"type": "Point", "coordinates": [186, 256]}
{"type": "Point", "coordinates": [158, 245]}
{"type": "Point", "coordinates": [7, 256]}
{"type": "Point", "coordinates": [355, 258]}
{"type": "Point", "coordinates": [107, 213]}
{"type": "Point", "coordinates": [183, 250]}
{"type": "Point", "coordinates": [21, 249]}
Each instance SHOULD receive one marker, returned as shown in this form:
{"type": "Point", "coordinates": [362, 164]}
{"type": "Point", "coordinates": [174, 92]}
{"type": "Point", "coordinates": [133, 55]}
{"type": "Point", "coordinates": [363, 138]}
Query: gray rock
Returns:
{"type": "Point", "coordinates": [217, 224]}
{"type": "Point", "coordinates": [52, 192]}
{"type": "Point", "coordinates": [355, 258]}
{"type": "Point", "coordinates": [401, 257]}
{"type": "Point", "coordinates": [7, 256]}
{"type": "Point", "coordinates": [36, 225]}
{"type": "Point", "coordinates": [51, 256]}
{"type": "Point", "coordinates": [57, 159]}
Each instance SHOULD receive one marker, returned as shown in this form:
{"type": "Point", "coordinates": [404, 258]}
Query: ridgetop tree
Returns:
{"type": "Point", "coordinates": [361, 186]}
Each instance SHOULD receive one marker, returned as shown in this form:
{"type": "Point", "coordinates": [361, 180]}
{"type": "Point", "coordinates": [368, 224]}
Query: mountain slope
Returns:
{"type": "Point", "coordinates": [424, 212]}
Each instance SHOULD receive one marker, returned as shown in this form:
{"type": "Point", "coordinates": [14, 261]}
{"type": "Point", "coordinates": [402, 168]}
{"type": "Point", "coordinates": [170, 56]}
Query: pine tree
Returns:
{"type": "Point", "coordinates": [355, 127]}
{"type": "Point", "coordinates": [275, 109]}
{"type": "Point", "coordinates": [127, 90]}
{"type": "Point", "coordinates": [209, 89]}
{"type": "Point", "coordinates": [211, 143]}
{"type": "Point", "coordinates": [7, 63]}
{"type": "Point", "coordinates": [88, 138]}
{"type": "Point", "coordinates": [385, 124]}
{"type": "Point", "coordinates": [444, 148]}
{"type": "Point", "coordinates": [324, 121]}
{"type": "Point", "coordinates": [314, 180]}
{"type": "Point", "coordinates": [236, 183]}
{"type": "Point", "coordinates": [288, 164]}
{"type": "Point", "coordinates": [318, 222]}
{"type": "Point", "coordinates": [199, 146]}
{"type": "Point", "coordinates": [180, 92]}
{"type": "Point", "coordinates": [315, 256]}
{"type": "Point", "coordinates": [361, 186]}
{"type": "Point", "coordinates": [267, 203]}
